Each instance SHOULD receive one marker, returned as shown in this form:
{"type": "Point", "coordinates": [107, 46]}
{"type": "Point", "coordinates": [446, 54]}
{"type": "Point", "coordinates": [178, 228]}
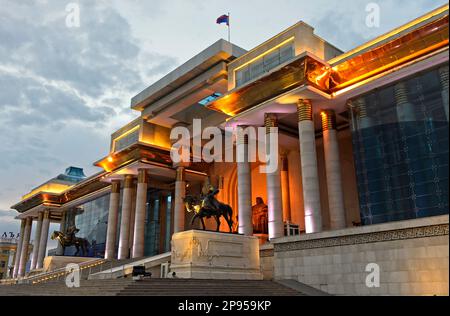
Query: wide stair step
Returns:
{"type": "Point", "coordinates": [154, 287]}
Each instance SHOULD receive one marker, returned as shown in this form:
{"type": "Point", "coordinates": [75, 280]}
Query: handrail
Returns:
{"type": "Point", "coordinates": [52, 275]}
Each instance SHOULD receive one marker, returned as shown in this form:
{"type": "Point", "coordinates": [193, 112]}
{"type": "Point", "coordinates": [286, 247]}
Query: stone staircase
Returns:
{"type": "Point", "coordinates": [153, 287]}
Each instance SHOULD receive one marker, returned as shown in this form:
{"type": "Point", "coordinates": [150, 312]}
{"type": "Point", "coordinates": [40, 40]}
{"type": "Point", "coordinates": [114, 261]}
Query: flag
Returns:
{"type": "Point", "coordinates": [224, 19]}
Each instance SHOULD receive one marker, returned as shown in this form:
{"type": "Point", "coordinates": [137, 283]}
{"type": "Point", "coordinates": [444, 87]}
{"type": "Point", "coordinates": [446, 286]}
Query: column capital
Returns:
{"type": "Point", "coordinates": [143, 176]}
{"type": "Point", "coordinates": [270, 121]}
{"type": "Point", "coordinates": [304, 109]}
{"type": "Point", "coordinates": [401, 93]}
{"type": "Point", "coordinates": [128, 181]}
{"type": "Point", "coordinates": [115, 186]}
{"type": "Point", "coordinates": [181, 174]}
{"type": "Point", "coordinates": [328, 120]}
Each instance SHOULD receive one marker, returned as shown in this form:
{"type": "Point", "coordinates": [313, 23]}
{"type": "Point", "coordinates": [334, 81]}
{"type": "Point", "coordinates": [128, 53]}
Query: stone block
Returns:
{"type": "Point", "coordinates": [211, 255]}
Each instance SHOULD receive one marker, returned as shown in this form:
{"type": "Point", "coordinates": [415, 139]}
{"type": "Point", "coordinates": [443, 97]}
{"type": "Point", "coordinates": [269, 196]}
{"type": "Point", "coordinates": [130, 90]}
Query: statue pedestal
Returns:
{"type": "Point", "coordinates": [54, 263]}
{"type": "Point", "coordinates": [210, 255]}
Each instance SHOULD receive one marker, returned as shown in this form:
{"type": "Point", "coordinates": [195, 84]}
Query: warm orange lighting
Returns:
{"type": "Point", "coordinates": [389, 34]}
{"type": "Point", "coordinates": [110, 159]}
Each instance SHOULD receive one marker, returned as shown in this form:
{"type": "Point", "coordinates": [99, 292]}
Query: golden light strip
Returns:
{"type": "Point", "coordinates": [129, 132]}
{"type": "Point", "coordinates": [390, 34]}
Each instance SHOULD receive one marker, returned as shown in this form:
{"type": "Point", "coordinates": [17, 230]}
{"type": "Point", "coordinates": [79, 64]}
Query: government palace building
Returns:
{"type": "Point", "coordinates": [362, 179]}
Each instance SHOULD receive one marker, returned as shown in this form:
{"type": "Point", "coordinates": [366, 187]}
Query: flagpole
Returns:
{"type": "Point", "coordinates": [229, 27]}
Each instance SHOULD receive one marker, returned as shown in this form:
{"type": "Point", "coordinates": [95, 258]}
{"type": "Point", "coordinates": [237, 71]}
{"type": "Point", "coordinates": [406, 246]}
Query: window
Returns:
{"type": "Point", "coordinates": [401, 151]}
{"type": "Point", "coordinates": [126, 141]}
{"type": "Point", "coordinates": [265, 64]}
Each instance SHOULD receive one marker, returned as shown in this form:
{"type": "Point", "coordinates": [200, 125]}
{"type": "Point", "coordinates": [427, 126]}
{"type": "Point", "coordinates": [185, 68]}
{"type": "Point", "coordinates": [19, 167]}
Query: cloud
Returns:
{"type": "Point", "coordinates": [63, 90]}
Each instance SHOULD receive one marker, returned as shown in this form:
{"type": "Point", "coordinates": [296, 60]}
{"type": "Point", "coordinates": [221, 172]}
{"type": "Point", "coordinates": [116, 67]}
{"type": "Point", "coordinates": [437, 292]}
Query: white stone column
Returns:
{"type": "Point", "coordinates": [25, 247]}
{"type": "Point", "coordinates": [179, 208]}
{"type": "Point", "coordinates": [124, 242]}
{"type": "Point", "coordinates": [333, 170]}
{"type": "Point", "coordinates": [244, 175]}
{"type": "Point", "coordinates": [274, 196]}
{"type": "Point", "coordinates": [113, 218]}
{"type": "Point", "coordinates": [43, 240]}
{"type": "Point", "coordinates": [443, 75]}
{"type": "Point", "coordinates": [141, 209]}
{"type": "Point", "coordinates": [37, 239]}
{"type": "Point", "coordinates": [310, 174]}
{"type": "Point", "coordinates": [132, 219]}
{"type": "Point", "coordinates": [19, 249]}
{"type": "Point", "coordinates": [286, 195]}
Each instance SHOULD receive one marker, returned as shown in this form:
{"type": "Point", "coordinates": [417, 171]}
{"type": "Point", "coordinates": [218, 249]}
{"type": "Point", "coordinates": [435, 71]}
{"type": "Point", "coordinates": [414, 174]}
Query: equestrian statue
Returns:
{"type": "Point", "coordinates": [70, 239]}
{"type": "Point", "coordinates": [207, 206]}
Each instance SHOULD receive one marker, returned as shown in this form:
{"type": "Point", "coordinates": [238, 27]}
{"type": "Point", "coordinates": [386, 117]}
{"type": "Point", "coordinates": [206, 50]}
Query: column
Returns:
{"type": "Point", "coordinates": [443, 75]}
{"type": "Point", "coordinates": [180, 194]}
{"type": "Point", "coordinates": [62, 228]}
{"type": "Point", "coordinates": [333, 170]}
{"type": "Point", "coordinates": [162, 221]}
{"type": "Point", "coordinates": [113, 217]}
{"type": "Point", "coordinates": [244, 175]}
{"type": "Point", "coordinates": [25, 247]}
{"type": "Point", "coordinates": [43, 240]}
{"type": "Point", "coordinates": [37, 239]}
{"type": "Point", "coordinates": [310, 175]}
{"type": "Point", "coordinates": [132, 220]}
{"type": "Point", "coordinates": [124, 243]}
{"type": "Point", "coordinates": [141, 209]}
{"type": "Point", "coordinates": [19, 249]}
{"type": "Point", "coordinates": [286, 195]}
{"type": "Point", "coordinates": [274, 196]}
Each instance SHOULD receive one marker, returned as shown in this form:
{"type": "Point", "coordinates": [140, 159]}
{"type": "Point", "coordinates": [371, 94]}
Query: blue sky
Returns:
{"type": "Point", "coordinates": [63, 91]}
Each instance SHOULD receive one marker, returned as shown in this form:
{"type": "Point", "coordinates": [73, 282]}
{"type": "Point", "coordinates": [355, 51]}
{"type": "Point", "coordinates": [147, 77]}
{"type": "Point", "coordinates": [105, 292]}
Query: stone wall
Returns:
{"type": "Point", "coordinates": [413, 257]}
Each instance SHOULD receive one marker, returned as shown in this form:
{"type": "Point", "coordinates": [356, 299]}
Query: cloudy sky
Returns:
{"type": "Point", "coordinates": [63, 90]}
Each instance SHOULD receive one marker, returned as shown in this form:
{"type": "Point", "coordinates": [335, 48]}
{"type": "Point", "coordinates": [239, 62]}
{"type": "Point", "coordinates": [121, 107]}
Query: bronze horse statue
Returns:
{"type": "Point", "coordinates": [202, 209]}
{"type": "Point", "coordinates": [68, 240]}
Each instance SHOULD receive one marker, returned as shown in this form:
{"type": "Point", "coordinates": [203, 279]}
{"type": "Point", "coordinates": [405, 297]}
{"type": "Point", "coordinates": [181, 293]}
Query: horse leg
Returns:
{"type": "Point", "coordinates": [78, 250]}
{"type": "Point", "coordinates": [203, 223]}
{"type": "Point", "coordinates": [193, 219]}
{"type": "Point", "coordinates": [218, 223]}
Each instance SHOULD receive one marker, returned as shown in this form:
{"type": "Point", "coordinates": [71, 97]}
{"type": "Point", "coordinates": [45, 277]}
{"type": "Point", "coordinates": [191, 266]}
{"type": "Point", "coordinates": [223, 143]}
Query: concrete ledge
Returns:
{"type": "Point", "coordinates": [394, 226]}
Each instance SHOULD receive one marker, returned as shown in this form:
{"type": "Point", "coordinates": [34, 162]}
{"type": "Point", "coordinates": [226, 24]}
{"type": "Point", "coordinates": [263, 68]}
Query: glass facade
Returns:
{"type": "Point", "coordinates": [265, 64]}
{"type": "Point", "coordinates": [400, 144]}
{"type": "Point", "coordinates": [91, 219]}
{"type": "Point", "coordinates": [158, 223]}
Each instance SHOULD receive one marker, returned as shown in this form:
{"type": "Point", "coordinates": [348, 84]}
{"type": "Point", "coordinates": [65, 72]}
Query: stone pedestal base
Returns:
{"type": "Point", "coordinates": [211, 255]}
{"type": "Point", "coordinates": [54, 263]}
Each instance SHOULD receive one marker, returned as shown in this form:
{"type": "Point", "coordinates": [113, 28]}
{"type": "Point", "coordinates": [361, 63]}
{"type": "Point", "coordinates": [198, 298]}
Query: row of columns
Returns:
{"type": "Point", "coordinates": [39, 246]}
{"type": "Point", "coordinates": [132, 223]}
{"type": "Point", "coordinates": [278, 182]}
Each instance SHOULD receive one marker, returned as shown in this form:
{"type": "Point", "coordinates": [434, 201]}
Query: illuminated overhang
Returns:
{"type": "Point", "coordinates": [305, 72]}
{"type": "Point", "coordinates": [136, 152]}
{"type": "Point", "coordinates": [159, 173]}
{"type": "Point", "coordinates": [56, 201]}
{"type": "Point", "coordinates": [282, 105]}
{"type": "Point", "coordinates": [46, 199]}
{"type": "Point", "coordinates": [55, 214]}
{"type": "Point", "coordinates": [412, 46]}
